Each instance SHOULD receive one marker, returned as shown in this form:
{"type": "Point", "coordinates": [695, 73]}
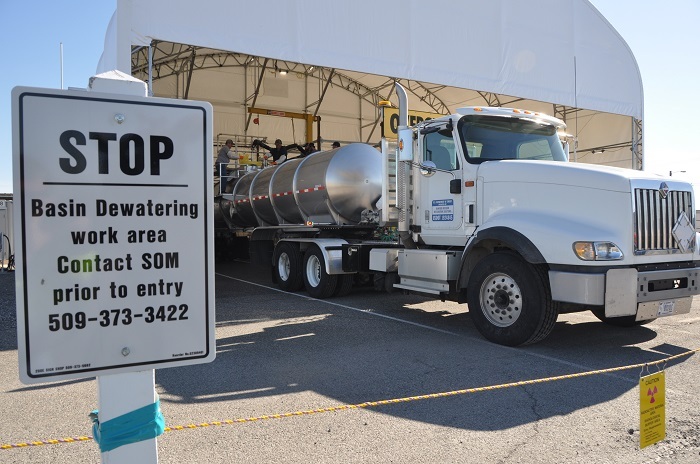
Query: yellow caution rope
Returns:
{"type": "Point", "coordinates": [371, 404]}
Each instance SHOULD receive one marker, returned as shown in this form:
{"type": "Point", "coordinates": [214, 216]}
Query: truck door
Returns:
{"type": "Point", "coordinates": [441, 210]}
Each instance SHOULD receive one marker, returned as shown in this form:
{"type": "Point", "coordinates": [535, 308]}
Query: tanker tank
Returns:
{"type": "Point", "coordinates": [327, 187]}
{"type": "Point", "coordinates": [282, 200]}
{"type": "Point", "coordinates": [242, 214]}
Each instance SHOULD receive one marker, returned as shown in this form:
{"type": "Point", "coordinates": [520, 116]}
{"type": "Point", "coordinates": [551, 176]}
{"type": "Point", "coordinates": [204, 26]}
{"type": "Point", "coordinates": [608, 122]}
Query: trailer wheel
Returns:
{"type": "Point", "coordinates": [510, 301]}
{"type": "Point", "coordinates": [288, 267]}
{"type": "Point", "coordinates": [318, 283]}
{"type": "Point", "coordinates": [623, 321]}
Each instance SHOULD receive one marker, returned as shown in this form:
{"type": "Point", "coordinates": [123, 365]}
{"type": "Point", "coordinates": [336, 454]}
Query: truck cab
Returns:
{"type": "Point", "coordinates": [496, 216]}
{"type": "Point", "coordinates": [452, 151]}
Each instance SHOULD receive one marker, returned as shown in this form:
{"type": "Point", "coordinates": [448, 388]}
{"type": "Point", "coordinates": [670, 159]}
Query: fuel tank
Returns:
{"type": "Point", "coordinates": [327, 187]}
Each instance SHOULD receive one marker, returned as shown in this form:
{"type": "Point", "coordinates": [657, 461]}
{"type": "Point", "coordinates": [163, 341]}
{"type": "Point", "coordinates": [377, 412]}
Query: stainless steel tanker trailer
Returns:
{"type": "Point", "coordinates": [480, 207]}
{"type": "Point", "coordinates": [298, 215]}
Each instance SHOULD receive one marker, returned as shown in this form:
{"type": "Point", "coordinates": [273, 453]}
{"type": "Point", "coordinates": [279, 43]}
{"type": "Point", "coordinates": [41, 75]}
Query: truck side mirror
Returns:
{"type": "Point", "coordinates": [428, 168]}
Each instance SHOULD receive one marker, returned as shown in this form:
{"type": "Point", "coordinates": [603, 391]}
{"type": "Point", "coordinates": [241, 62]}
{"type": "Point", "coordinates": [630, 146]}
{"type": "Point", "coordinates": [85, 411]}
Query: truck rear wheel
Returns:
{"type": "Point", "coordinates": [510, 301]}
{"type": "Point", "coordinates": [318, 283]}
{"type": "Point", "coordinates": [288, 267]}
{"type": "Point", "coordinates": [344, 285]}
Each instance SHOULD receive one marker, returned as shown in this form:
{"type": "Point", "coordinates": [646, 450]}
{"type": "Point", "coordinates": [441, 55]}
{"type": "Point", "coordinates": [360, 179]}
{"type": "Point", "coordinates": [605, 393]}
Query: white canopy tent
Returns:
{"type": "Point", "coordinates": [560, 57]}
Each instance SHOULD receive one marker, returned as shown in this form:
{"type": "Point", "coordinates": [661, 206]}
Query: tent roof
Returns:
{"type": "Point", "coordinates": [558, 51]}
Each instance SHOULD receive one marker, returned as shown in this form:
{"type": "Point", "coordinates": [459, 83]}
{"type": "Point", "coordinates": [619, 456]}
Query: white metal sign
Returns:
{"type": "Point", "coordinates": [114, 257]}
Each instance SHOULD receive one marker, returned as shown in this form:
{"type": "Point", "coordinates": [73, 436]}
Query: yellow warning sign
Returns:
{"type": "Point", "coordinates": [652, 409]}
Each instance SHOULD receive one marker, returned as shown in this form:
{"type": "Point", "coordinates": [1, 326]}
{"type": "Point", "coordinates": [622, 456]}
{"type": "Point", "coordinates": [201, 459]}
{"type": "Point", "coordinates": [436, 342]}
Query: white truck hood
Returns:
{"type": "Point", "coordinates": [571, 174]}
{"type": "Point", "coordinates": [556, 204]}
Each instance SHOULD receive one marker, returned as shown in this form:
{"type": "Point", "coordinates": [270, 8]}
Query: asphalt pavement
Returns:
{"type": "Point", "coordinates": [280, 353]}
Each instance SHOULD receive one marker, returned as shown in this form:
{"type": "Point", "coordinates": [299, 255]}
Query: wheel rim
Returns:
{"type": "Point", "coordinates": [283, 266]}
{"type": "Point", "coordinates": [313, 271]}
{"type": "Point", "coordinates": [501, 300]}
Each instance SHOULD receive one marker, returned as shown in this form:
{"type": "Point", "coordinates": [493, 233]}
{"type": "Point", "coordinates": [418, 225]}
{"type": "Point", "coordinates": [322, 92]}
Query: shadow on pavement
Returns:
{"type": "Point", "coordinates": [277, 344]}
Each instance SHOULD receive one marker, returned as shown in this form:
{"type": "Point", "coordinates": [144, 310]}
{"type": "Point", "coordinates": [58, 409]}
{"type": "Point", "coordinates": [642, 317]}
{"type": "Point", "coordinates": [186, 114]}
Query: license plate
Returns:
{"type": "Point", "coordinates": [666, 308]}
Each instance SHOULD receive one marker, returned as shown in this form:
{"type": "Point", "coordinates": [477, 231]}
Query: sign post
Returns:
{"type": "Point", "coordinates": [115, 253]}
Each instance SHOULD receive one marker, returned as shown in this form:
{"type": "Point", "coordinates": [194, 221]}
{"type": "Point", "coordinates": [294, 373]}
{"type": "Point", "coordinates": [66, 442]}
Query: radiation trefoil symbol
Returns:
{"type": "Point", "coordinates": [652, 393]}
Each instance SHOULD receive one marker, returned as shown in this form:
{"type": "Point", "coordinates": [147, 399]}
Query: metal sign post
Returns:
{"type": "Point", "coordinates": [115, 253]}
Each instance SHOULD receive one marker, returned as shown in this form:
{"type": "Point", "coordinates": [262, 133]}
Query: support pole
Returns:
{"type": "Point", "coordinates": [119, 394]}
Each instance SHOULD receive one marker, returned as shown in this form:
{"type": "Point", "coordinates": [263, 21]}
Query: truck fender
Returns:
{"type": "Point", "coordinates": [487, 240]}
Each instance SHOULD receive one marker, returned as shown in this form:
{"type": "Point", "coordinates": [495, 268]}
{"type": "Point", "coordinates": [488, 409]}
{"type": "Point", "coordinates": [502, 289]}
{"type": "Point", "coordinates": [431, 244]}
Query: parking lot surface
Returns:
{"type": "Point", "coordinates": [281, 353]}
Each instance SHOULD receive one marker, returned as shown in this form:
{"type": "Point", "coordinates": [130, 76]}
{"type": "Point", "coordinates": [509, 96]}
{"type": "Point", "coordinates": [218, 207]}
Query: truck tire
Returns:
{"type": "Point", "coordinates": [623, 321]}
{"type": "Point", "coordinates": [510, 301]}
{"type": "Point", "coordinates": [287, 267]}
{"type": "Point", "coordinates": [318, 283]}
{"type": "Point", "coordinates": [384, 281]}
{"type": "Point", "coordinates": [344, 285]}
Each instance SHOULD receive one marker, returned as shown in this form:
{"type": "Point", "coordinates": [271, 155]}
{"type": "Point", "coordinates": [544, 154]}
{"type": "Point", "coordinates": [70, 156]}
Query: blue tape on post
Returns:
{"type": "Point", "coordinates": [139, 425]}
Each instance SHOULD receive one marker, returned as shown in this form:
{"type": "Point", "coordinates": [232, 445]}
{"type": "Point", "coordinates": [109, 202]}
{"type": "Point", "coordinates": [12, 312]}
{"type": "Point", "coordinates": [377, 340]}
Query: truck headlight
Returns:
{"type": "Point", "coordinates": [597, 251]}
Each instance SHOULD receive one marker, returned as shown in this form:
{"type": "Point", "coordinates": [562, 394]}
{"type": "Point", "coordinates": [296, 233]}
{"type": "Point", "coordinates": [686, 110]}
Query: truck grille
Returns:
{"type": "Point", "coordinates": [655, 218]}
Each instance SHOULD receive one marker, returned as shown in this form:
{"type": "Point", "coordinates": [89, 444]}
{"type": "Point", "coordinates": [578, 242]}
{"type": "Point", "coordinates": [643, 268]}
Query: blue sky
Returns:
{"type": "Point", "coordinates": [662, 36]}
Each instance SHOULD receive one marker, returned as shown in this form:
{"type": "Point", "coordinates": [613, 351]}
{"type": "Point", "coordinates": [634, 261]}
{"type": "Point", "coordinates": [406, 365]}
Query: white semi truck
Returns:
{"type": "Point", "coordinates": [481, 207]}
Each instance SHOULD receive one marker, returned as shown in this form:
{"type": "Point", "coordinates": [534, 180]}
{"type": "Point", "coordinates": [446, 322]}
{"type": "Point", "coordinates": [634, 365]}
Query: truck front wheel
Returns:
{"type": "Point", "coordinates": [287, 267]}
{"type": "Point", "coordinates": [318, 283]}
{"type": "Point", "coordinates": [510, 301]}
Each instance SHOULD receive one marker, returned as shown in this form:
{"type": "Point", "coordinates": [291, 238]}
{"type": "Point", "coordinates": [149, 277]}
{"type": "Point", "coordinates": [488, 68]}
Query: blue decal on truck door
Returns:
{"type": "Point", "coordinates": [443, 210]}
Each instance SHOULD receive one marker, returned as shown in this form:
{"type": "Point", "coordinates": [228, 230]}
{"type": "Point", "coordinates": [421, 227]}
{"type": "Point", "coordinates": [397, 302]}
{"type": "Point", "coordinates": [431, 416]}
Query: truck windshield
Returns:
{"type": "Point", "coordinates": [487, 138]}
